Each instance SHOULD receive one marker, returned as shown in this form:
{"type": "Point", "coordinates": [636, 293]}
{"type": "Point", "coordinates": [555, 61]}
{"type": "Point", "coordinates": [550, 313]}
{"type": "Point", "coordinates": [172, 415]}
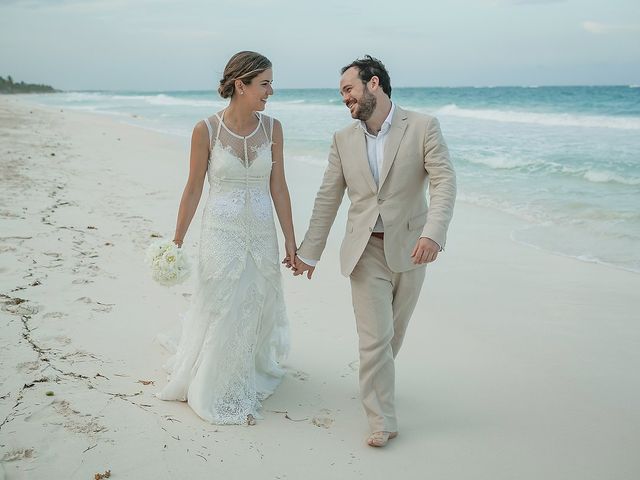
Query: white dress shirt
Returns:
{"type": "Point", "coordinates": [375, 154]}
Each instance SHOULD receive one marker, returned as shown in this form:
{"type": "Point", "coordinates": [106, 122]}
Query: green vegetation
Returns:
{"type": "Point", "coordinates": [9, 86]}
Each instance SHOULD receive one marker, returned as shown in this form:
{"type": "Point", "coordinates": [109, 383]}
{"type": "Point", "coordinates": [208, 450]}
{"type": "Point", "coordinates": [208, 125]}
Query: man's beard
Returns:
{"type": "Point", "coordinates": [366, 106]}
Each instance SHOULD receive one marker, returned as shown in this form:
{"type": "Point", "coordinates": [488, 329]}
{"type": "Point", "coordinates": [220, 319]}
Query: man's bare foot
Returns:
{"type": "Point", "coordinates": [380, 439]}
{"type": "Point", "coordinates": [251, 420]}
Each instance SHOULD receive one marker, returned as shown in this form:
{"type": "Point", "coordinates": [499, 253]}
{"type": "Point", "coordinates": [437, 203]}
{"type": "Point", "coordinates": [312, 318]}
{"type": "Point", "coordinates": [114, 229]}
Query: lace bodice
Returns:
{"type": "Point", "coordinates": [239, 207]}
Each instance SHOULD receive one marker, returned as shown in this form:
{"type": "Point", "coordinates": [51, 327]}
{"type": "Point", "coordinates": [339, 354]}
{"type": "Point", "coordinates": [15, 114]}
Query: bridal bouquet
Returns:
{"type": "Point", "coordinates": [169, 264]}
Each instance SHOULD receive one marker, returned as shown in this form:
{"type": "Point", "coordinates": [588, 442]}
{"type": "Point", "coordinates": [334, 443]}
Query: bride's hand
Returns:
{"type": "Point", "coordinates": [289, 259]}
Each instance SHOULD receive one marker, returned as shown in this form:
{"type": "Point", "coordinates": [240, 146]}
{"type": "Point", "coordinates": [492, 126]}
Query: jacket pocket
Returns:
{"type": "Point", "coordinates": [349, 227]}
{"type": "Point", "coordinates": [418, 221]}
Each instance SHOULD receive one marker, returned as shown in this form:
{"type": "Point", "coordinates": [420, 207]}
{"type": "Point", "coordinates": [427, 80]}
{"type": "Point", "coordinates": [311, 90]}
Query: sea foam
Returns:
{"type": "Point", "coordinates": [548, 119]}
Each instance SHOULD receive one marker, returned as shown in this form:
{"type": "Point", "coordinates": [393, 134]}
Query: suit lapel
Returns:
{"type": "Point", "coordinates": [391, 145]}
{"type": "Point", "coordinates": [361, 157]}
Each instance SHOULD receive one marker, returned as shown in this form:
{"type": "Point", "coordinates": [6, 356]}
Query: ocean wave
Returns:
{"type": "Point", "coordinates": [602, 176]}
{"type": "Point", "coordinates": [167, 100]}
{"type": "Point", "coordinates": [548, 119]}
{"type": "Point", "coordinates": [84, 96]}
{"type": "Point", "coordinates": [160, 99]}
{"type": "Point", "coordinates": [501, 162]}
{"type": "Point", "coordinates": [527, 213]}
{"type": "Point", "coordinates": [299, 105]}
{"type": "Point", "coordinates": [594, 175]}
{"type": "Point", "coordinates": [128, 97]}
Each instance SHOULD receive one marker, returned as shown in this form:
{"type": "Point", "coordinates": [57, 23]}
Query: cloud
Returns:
{"type": "Point", "coordinates": [598, 28]}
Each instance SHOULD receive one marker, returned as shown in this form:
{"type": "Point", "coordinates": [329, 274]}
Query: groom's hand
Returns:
{"type": "Point", "coordinates": [425, 251]}
{"type": "Point", "coordinates": [301, 267]}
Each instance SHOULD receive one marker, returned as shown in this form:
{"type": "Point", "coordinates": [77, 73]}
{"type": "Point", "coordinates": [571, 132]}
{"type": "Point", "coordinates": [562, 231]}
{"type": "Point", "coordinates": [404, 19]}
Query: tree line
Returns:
{"type": "Point", "coordinates": [9, 86]}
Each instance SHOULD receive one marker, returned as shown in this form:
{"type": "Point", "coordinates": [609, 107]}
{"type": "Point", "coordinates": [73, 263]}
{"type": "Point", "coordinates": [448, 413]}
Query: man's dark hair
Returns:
{"type": "Point", "coordinates": [371, 67]}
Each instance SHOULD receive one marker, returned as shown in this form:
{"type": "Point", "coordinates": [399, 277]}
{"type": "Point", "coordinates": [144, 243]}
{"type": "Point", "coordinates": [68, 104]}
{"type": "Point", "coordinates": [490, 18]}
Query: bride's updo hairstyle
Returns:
{"type": "Point", "coordinates": [243, 66]}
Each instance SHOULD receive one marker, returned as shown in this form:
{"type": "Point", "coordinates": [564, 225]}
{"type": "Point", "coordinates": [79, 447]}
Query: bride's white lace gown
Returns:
{"type": "Point", "coordinates": [236, 332]}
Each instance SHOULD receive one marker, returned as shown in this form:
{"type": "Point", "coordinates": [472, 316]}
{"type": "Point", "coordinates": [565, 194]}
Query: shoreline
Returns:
{"type": "Point", "coordinates": [527, 221]}
{"type": "Point", "coordinates": [517, 362]}
{"type": "Point", "coordinates": [533, 220]}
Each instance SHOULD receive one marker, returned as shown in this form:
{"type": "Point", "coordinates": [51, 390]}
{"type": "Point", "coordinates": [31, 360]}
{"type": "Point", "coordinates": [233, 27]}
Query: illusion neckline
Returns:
{"type": "Point", "coordinates": [243, 137]}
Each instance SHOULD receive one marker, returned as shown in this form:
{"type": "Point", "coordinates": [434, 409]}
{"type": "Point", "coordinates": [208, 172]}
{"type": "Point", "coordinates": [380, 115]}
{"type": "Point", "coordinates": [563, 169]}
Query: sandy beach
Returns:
{"type": "Point", "coordinates": [518, 363]}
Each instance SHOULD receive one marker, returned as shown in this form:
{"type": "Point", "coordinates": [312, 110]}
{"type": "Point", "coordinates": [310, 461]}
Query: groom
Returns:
{"type": "Point", "coordinates": [386, 161]}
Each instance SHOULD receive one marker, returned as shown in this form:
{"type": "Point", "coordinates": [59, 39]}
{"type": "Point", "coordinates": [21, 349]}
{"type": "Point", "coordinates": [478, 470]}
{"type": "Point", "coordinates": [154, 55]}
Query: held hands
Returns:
{"type": "Point", "coordinates": [293, 262]}
{"type": "Point", "coordinates": [289, 259]}
{"type": "Point", "coordinates": [425, 251]}
{"type": "Point", "coordinates": [302, 267]}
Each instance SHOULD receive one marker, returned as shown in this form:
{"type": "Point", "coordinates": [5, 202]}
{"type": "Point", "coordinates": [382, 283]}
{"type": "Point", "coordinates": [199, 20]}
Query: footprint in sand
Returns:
{"type": "Point", "coordinates": [299, 375]}
{"type": "Point", "coordinates": [103, 307]}
{"type": "Point", "coordinates": [28, 366]}
{"type": "Point", "coordinates": [70, 419]}
{"type": "Point", "coordinates": [98, 306]}
{"type": "Point", "coordinates": [62, 340]}
{"type": "Point", "coordinates": [90, 269]}
{"type": "Point", "coordinates": [10, 214]}
{"type": "Point", "coordinates": [17, 306]}
{"type": "Point", "coordinates": [18, 454]}
{"type": "Point", "coordinates": [323, 419]}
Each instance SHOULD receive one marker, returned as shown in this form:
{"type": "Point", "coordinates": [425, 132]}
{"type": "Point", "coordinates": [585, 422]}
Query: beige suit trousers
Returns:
{"type": "Point", "coordinates": [383, 302]}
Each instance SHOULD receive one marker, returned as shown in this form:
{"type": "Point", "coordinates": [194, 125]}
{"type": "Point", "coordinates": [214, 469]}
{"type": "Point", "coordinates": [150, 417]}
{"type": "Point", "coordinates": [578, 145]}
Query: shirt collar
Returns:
{"type": "Point", "coordinates": [386, 125]}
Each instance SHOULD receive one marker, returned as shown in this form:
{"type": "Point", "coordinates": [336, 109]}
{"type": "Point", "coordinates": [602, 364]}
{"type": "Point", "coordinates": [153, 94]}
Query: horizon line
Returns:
{"type": "Point", "coordinates": [532, 86]}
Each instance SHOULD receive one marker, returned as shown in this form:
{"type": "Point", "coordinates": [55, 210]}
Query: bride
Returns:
{"type": "Point", "coordinates": [236, 333]}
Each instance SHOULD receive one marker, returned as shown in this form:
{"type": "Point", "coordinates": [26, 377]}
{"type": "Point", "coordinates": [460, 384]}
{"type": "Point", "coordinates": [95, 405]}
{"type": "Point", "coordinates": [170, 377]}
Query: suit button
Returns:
{"type": "Point", "coordinates": [380, 200]}
{"type": "Point", "coordinates": [371, 229]}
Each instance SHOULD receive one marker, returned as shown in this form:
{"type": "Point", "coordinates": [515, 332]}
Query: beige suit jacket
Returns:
{"type": "Point", "coordinates": [415, 159]}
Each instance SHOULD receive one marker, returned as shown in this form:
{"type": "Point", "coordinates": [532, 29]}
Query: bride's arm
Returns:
{"type": "Point", "coordinates": [280, 191]}
{"type": "Point", "coordinates": [198, 161]}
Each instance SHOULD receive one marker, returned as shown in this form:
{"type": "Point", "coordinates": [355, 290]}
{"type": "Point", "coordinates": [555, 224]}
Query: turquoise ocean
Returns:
{"type": "Point", "coordinates": [566, 160]}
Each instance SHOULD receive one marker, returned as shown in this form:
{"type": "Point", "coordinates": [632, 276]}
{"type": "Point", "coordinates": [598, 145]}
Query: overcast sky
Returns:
{"type": "Point", "coordinates": [179, 45]}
